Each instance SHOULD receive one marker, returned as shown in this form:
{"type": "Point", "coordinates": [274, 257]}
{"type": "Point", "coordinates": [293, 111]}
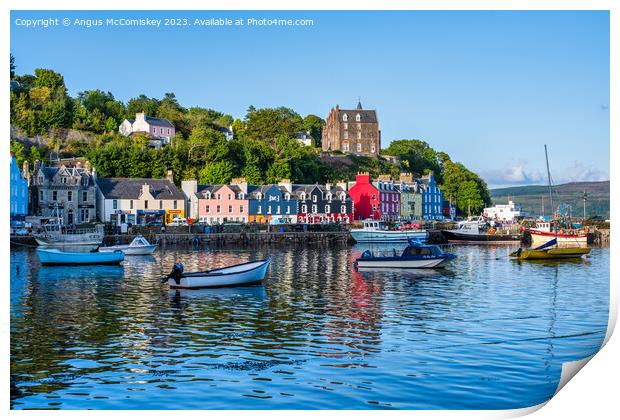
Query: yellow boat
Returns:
{"type": "Point", "coordinates": [550, 253]}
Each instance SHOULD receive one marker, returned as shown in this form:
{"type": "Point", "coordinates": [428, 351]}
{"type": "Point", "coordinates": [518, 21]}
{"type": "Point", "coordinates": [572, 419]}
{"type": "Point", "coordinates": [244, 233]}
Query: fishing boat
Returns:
{"type": "Point", "coordinates": [58, 257]}
{"type": "Point", "coordinates": [470, 232]}
{"type": "Point", "coordinates": [416, 255]}
{"type": "Point", "coordinates": [56, 234]}
{"type": "Point", "coordinates": [544, 232]}
{"type": "Point", "coordinates": [551, 249]}
{"type": "Point", "coordinates": [235, 275]}
{"type": "Point", "coordinates": [139, 246]}
{"type": "Point", "coordinates": [376, 231]}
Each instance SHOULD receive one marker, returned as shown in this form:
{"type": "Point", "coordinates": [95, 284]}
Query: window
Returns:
{"type": "Point", "coordinates": [345, 117]}
{"type": "Point", "coordinates": [168, 131]}
{"type": "Point", "coordinates": [278, 210]}
{"type": "Point", "coordinates": [174, 204]}
{"type": "Point", "coordinates": [41, 195]}
{"type": "Point", "coordinates": [218, 209]}
{"type": "Point", "coordinates": [329, 196]}
{"type": "Point", "coordinates": [315, 198]}
{"type": "Point", "coordinates": [269, 210]}
{"type": "Point", "coordinates": [161, 131]}
{"type": "Point", "coordinates": [343, 209]}
{"type": "Point", "coordinates": [288, 210]}
{"type": "Point", "coordinates": [146, 204]}
{"type": "Point", "coordinates": [346, 126]}
{"type": "Point", "coordinates": [345, 147]}
{"type": "Point", "coordinates": [374, 197]}
{"type": "Point", "coordinates": [346, 134]}
{"type": "Point", "coordinates": [304, 209]}
{"type": "Point", "coordinates": [328, 209]}
{"type": "Point", "coordinates": [54, 195]}
{"type": "Point", "coordinates": [63, 180]}
{"type": "Point", "coordinates": [161, 204]}
{"type": "Point", "coordinates": [359, 136]}
{"type": "Point", "coordinates": [260, 209]}
{"type": "Point", "coordinates": [230, 196]}
{"type": "Point", "coordinates": [358, 118]}
{"type": "Point", "coordinates": [314, 209]}
{"type": "Point", "coordinates": [114, 204]}
{"type": "Point", "coordinates": [241, 209]}
{"type": "Point", "coordinates": [208, 195]}
{"type": "Point", "coordinates": [230, 209]}
{"type": "Point", "coordinates": [69, 195]}
{"type": "Point", "coordinates": [359, 126]}
{"type": "Point", "coordinates": [207, 208]}
{"type": "Point", "coordinates": [359, 147]}
{"type": "Point", "coordinates": [84, 196]}
{"type": "Point", "coordinates": [154, 130]}
{"type": "Point", "coordinates": [219, 196]}
{"type": "Point", "coordinates": [372, 148]}
{"type": "Point", "coordinates": [131, 204]}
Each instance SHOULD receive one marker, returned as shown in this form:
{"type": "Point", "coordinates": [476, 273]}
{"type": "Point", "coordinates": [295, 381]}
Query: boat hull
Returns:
{"type": "Point", "coordinates": [237, 275]}
{"type": "Point", "coordinates": [551, 254]}
{"type": "Point", "coordinates": [387, 262]}
{"type": "Point", "coordinates": [539, 237]}
{"type": "Point", "coordinates": [367, 236]}
{"type": "Point", "coordinates": [130, 250]}
{"type": "Point", "coordinates": [455, 236]}
{"type": "Point", "coordinates": [56, 257]}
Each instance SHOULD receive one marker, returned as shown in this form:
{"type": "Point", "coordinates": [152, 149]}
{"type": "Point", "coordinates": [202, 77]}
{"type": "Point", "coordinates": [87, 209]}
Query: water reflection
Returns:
{"type": "Point", "coordinates": [486, 333]}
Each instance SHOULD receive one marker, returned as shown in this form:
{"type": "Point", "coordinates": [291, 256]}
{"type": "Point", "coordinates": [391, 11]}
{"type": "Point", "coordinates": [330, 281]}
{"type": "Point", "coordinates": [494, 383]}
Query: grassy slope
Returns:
{"type": "Point", "coordinates": [572, 194]}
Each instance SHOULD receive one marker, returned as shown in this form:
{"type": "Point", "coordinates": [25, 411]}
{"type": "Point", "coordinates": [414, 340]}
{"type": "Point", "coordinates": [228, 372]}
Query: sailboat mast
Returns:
{"type": "Point", "coordinates": [550, 188]}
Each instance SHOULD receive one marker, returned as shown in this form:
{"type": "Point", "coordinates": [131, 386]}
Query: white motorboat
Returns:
{"type": "Point", "coordinates": [139, 246]}
{"type": "Point", "coordinates": [376, 231]}
{"type": "Point", "coordinates": [235, 275]}
{"type": "Point", "coordinates": [544, 232]}
{"type": "Point", "coordinates": [416, 255]}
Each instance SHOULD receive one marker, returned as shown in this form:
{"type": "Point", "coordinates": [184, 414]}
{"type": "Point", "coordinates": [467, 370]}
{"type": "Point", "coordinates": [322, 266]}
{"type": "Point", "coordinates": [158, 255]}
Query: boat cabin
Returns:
{"type": "Point", "coordinates": [374, 225]}
{"type": "Point", "coordinates": [543, 226]}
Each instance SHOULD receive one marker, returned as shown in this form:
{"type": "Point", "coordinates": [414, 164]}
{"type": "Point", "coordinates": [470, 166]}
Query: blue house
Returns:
{"type": "Point", "coordinates": [269, 202]}
{"type": "Point", "coordinates": [432, 199]}
{"type": "Point", "coordinates": [19, 193]}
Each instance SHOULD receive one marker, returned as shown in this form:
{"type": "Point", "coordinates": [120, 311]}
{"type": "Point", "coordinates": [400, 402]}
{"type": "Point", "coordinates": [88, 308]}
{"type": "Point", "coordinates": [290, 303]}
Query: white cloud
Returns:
{"type": "Point", "coordinates": [519, 174]}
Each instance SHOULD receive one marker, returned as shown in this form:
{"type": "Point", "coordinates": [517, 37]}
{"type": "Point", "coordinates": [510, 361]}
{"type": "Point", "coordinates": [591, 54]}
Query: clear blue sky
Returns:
{"type": "Point", "coordinates": [488, 88]}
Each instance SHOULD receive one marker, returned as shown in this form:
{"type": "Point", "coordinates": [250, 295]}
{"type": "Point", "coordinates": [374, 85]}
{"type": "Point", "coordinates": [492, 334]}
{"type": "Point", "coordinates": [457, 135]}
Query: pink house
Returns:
{"type": "Point", "coordinates": [223, 203]}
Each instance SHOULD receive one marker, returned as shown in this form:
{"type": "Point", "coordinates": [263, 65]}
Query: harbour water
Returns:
{"type": "Point", "coordinates": [488, 333]}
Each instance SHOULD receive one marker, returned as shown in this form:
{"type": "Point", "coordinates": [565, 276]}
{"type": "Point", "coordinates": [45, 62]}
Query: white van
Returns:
{"type": "Point", "coordinates": [178, 221]}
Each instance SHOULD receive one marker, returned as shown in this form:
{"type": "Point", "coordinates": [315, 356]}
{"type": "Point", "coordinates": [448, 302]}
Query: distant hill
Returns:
{"type": "Point", "coordinates": [530, 197]}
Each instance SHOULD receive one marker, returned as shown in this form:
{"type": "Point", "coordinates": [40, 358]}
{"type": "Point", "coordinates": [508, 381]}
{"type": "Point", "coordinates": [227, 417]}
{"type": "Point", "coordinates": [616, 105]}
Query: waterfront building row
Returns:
{"type": "Point", "coordinates": [78, 195]}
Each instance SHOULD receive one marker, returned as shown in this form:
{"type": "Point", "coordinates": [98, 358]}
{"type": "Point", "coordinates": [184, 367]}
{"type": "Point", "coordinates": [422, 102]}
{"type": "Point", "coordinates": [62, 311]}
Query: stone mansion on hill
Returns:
{"type": "Point", "coordinates": [354, 131]}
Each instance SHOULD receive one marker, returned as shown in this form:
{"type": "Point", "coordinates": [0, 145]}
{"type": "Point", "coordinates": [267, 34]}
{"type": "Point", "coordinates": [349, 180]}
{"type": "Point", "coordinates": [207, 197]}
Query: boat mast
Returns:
{"type": "Point", "coordinates": [555, 228]}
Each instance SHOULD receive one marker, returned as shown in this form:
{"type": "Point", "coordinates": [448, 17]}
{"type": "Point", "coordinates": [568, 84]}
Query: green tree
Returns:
{"type": "Point", "coordinates": [314, 125]}
{"type": "Point", "coordinates": [267, 124]}
{"type": "Point", "coordinates": [216, 173]}
{"type": "Point", "coordinates": [17, 150]}
{"type": "Point", "coordinates": [141, 104]}
{"type": "Point", "coordinates": [12, 64]}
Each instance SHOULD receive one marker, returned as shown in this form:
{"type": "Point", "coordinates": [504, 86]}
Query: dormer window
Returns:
{"type": "Point", "coordinates": [287, 196]}
{"type": "Point", "coordinates": [302, 196]}
{"type": "Point", "coordinates": [329, 196]}
{"type": "Point", "coordinates": [358, 118]}
{"type": "Point", "coordinates": [208, 196]}
{"type": "Point", "coordinates": [241, 196]}
{"type": "Point", "coordinates": [345, 117]}
{"type": "Point", "coordinates": [259, 196]}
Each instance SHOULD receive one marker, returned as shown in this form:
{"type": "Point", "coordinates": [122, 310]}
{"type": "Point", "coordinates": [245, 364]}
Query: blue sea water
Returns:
{"type": "Point", "coordinates": [487, 333]}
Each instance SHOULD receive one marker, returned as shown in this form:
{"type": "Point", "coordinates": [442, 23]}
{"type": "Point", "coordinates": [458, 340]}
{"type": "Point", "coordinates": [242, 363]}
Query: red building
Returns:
{"type": "Point", "coordinates": [366, 198]}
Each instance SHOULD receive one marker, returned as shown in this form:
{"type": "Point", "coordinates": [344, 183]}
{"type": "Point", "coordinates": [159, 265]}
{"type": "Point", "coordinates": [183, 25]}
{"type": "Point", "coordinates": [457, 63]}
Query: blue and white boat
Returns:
{"type": "Point", "coordinates": [57, 257]}
{"type": "Point", "coordinates": [415, 255]}
{"type": "Point", "coordinates": [376, 231]}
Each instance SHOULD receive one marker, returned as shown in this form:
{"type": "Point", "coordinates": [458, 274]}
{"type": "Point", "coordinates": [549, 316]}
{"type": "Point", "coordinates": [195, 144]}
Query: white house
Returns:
{"type": "Point", "coordinates": [503, 212]}
{"type": "Point", "coordinates": [156, 128]}
{"type": "Point", "coordinates": [139, 201]}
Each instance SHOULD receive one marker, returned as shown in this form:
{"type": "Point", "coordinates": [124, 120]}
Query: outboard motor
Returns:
{"type": "Point", "coordinates": [176, 273]}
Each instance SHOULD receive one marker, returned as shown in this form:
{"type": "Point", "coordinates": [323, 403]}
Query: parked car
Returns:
{"type": "Point", "coordinates": [178, 221]}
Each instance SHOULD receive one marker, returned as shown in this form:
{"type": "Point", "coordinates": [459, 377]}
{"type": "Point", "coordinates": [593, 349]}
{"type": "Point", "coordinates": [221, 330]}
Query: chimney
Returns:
{"type": "Point", "coordinates": [87, 166]}
{"type": "Point", "coordinates": [189, 187]}
{"type": "Point", "coordinates": [241, 183]}
{"type": "Point", "coordinates": [170, 176]}
{"type": "Point", "coordinates": [78, 164]}
{"type": "Point", "coordinates": [145, 189]}
{"type": "Point", "coordinates": [140, 116]}
{"type": "Point", "coordinates": [94, 174]}
{"type": "Point", "coordinates": [328, 186]}
{"type": "Point", "coordinates": [26, 170]}
{"type": "Point", "coordinates": [406, 177]}
{"type": "Point", "coordinates": [384, 177]}
{"type": "Point", "coordinates": [343, 184]}
{"type": "Point", "coordinates": [37, 164]}
{"type": "Point", "coordinates": [286, 183]}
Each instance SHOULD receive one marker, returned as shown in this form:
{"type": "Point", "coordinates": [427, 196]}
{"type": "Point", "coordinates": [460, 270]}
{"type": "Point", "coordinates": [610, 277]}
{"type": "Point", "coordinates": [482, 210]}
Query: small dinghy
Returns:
{"type": "Point", "coordinates": [416, 255]}
{"type": "Point", "coordinates": [57, 257]}
{"type": "Point", "coordinates": [139, 246]}
{"type": "Point", "coordinates": [234, 275]}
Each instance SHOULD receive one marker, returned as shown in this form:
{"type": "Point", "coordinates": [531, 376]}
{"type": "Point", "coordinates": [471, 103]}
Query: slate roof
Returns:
{"type": "Point", "coordinates": [131, 188]}
{"type": "Point", "coordinates": [158, 121]}
{"type": "Point", "coordinates": [50, 172]}
{"type": "Point", "coordinates": [366, 116]}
